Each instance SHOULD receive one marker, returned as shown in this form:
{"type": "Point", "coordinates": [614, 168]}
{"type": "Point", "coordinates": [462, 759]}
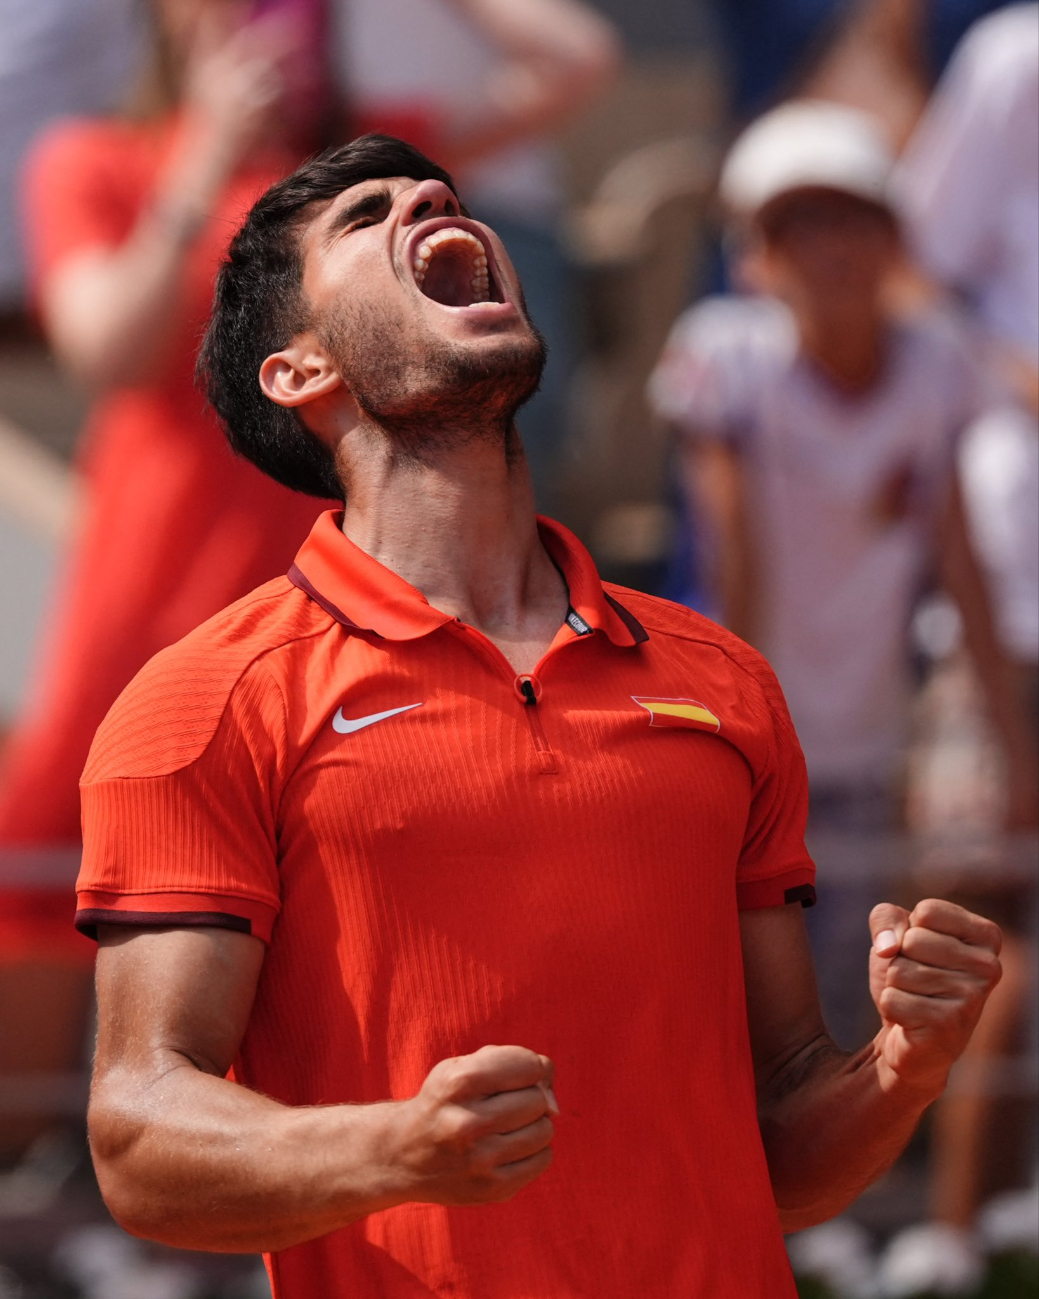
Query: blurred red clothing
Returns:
{"type": "Point", "coordinates": [174, 528]}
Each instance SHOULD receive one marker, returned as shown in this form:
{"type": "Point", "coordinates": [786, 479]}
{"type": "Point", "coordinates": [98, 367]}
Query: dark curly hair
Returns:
{"type": "Point", "coordinates": [258, 307]}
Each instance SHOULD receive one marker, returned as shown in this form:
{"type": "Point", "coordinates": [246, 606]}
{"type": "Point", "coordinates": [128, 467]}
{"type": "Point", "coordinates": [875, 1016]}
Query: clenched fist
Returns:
{"type": "Point", "coordinates": [931, 971]}
{"type": "Point", "coordinates": [480, 1129]}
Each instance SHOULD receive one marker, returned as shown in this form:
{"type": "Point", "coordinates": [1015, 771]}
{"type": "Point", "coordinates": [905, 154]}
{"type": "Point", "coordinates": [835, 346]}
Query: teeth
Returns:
{"type": "Point", "coordinates": [481, 283]}
{"type": "Point", "coordinates": [453, 235]}
{"type": "Point", "coordinates": [428, 248]}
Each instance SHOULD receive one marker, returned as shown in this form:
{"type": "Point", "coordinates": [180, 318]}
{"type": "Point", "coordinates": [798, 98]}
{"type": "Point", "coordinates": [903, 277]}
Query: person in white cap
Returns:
{"type": "Point", "coordinates": [816, 433]}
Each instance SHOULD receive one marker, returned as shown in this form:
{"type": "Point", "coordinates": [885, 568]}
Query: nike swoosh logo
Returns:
{"type": "Point", "coordinates": [348, 725]}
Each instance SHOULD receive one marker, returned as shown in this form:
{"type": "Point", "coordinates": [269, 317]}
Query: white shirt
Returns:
{"type": "Point", "coordinates": [839, 574]}
{"type": "Point", "coordinates": [970, 178]}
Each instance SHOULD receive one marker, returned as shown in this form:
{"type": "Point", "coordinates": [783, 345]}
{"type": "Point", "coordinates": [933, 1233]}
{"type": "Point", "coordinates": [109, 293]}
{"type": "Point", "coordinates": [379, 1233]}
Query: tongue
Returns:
{"type": "Point", "coordinates": [449, 278]}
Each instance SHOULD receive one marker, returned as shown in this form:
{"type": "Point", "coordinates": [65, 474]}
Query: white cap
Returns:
{"type": "Point", "coordinates": [808, 144]}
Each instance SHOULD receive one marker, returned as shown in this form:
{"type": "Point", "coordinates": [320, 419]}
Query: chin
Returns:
{"type": "Point", "coordinates": [453, 384]}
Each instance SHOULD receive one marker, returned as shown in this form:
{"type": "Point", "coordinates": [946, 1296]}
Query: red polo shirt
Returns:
{"type": "Point", "coordinates": [441, 855]}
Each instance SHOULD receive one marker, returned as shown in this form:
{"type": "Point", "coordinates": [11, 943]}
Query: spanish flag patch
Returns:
{"type": "Point", "coordinates": [688, 713]}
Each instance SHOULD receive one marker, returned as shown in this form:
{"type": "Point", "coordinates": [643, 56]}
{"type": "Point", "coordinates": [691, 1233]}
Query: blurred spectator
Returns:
{"type": "Point", "coordinates": [128, 218]}
{"type": "Point", "coordinates": [497, 77]}
{"type": "Point", "coordinates": [817, 435]}
{"type": "Point", "coordinates": [56, 57]}
{"type": "Point", "coordinates": [980, 141]}
{"type": "Point", "coordinates": [970, 185]}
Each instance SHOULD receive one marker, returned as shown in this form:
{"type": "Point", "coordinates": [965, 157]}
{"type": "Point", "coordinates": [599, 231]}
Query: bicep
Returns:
{"type": "Point", "coordinates": [783, 1011]}
{"type": "Point", "coordinates": [180, 991]}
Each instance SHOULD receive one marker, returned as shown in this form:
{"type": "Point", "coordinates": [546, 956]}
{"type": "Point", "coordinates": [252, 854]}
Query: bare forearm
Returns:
{"type": "Point", "coordinates": [736, 584]}
{"type": "Point", "coordinates": [200, 1162]}
{"type": "Point", "coordinates": [556, 56]}
{"type": "Point", "coordinates": [831, 1125]}
{"type": "Point", "coordinates": [966, 584]}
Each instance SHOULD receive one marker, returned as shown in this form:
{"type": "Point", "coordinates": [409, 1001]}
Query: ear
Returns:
{"type": "Point", "coordinates": [299, 373]}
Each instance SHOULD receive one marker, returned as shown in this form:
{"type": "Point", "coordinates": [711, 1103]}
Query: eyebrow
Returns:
{"type": "Point", "coordinates": [372, 204]}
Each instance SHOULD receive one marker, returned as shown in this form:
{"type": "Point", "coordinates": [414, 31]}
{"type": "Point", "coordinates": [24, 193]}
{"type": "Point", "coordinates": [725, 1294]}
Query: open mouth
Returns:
{"type": "Point", "coordinates": [451, 267]}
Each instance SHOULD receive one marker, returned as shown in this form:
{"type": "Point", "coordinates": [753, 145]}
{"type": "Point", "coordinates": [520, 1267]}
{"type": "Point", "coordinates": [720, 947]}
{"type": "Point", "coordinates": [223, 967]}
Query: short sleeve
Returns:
{"type": "Point", "coordinates": [74, 194]}
{"type": "Point", "coordinates": [774, 866]}
{"type": "Point", "coordinates": [179, 805]}
{"type": "Point", "coordinates": [715, 365]}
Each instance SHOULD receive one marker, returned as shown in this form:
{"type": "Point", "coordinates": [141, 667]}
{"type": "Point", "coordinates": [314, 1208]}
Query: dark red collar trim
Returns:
{"type": "Point", "coordinates": [337, 576]}
{"type": "Point", "coordinates": [638, 633]}
{"type": "Point", "coordinates": [298, 578]}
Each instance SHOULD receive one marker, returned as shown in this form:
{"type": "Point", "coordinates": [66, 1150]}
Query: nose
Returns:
{"type": "Point", "coordinates": [428, 199]}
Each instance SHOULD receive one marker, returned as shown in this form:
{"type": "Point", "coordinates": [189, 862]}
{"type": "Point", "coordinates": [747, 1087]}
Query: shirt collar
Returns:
{"type": "Point", "coordinates": [364, 595]}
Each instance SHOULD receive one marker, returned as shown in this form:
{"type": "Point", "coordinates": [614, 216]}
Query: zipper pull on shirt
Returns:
{"type": "Point", "coordinates": [529, 690]}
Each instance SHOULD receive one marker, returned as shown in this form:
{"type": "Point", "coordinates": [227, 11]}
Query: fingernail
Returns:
{"type": "Point", "coordinates": [886, 939]}
{"type": "Point", "coordinates": [553, 1104]}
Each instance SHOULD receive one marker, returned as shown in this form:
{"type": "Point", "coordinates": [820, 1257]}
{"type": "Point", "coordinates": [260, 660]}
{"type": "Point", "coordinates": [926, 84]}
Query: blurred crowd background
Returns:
{"type": "Point", "coordinates": [786, 257]}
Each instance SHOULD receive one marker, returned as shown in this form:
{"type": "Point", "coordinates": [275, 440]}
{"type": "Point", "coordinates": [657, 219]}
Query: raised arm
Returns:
{"type": "Point", "coordinates": [189, 1158]}
{"type": "Point", "coordinates": [113, 315]}
{"type": "Point", "coordinates": [965, 582]}
{"type": "Point", "coordinates": [556, 56]}
{"type": "Point", "coordinates": [713, 481]}
{"type": "Point", "coordinates": [831, 1122]}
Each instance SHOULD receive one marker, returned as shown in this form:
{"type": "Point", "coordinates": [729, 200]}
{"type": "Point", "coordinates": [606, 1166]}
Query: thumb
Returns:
{"type": "Point", "coordinates": [888, 925]}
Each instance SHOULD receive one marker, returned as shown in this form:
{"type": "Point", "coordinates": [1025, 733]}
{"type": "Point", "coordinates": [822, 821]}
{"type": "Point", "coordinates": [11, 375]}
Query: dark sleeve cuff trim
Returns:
{"type": "Point", "coordinates": [804, 893]}
{"type": "Point", "coordinates": [87, 920]}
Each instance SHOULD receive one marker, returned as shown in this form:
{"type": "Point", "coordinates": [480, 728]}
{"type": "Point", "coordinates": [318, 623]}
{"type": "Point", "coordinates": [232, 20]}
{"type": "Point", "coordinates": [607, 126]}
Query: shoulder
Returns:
{"type": "Point", "coordinates": [736, 324]}
{"type": "Point", "coordinates": [1007, 38]}
{"type": "Point", "coordinates": [721, 355]}
{"type": "Point", "coordinates": [83, 140]}
{"type": "Point", "coordinates": [689, 632]}
{"type": "Point", "coordinates": [939, 335]}
{"type": "Point", "coordinates": [942, 359]}
{"type": "Point", "coordinates": [167, 716]}
{"type": "Point", "coordinates": [999, 56]}
{"type": "Point", "coordinates": [82, 162]}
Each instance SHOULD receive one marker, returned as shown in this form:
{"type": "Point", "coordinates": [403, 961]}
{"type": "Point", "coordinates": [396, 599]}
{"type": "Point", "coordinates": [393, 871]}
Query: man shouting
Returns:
{"type": "Point", "coordinates": [438, 827]}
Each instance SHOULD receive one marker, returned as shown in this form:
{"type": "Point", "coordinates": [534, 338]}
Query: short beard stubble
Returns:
{"type": "Point", "coordinates": [432, 397]}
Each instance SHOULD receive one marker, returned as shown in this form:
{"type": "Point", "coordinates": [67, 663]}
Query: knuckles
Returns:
{"type": "Point", "coordinates": [929, 911]}
{"type": "Point", "coordinates": [457, 1128]}
{"type": "Point", "coordinates": [916, 942]}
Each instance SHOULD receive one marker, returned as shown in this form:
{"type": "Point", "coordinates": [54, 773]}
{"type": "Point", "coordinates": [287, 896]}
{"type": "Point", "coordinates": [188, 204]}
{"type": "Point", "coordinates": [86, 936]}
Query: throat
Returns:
{"type": "Point", "coordinates": [852, 363]}
{"type": "Point", "coordinates": [461, 529]}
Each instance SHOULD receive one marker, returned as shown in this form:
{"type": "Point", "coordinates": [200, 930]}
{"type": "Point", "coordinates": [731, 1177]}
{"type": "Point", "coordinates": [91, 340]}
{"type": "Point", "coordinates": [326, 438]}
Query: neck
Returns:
{"type": "Point", "coordinates": [849, 348]}
{"type": "Point", "coordinates": [459, 525]}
